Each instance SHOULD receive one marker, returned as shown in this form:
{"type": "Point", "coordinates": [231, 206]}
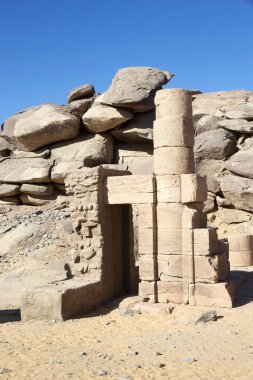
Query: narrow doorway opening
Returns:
{"type": "Point", "coordinates": [124, 270]}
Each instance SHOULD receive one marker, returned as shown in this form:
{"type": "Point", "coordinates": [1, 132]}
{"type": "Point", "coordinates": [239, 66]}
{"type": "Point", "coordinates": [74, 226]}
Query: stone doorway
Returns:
{"type": "Point", "coordinates": [124, 271]}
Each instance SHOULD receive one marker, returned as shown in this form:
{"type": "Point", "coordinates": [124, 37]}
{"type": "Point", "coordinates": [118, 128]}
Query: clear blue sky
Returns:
{"type": "Point", "coordinates": [50, 46]}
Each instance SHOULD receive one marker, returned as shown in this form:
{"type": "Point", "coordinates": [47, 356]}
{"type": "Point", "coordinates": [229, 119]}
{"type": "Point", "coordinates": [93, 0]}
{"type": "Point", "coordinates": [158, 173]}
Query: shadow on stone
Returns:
{"type": "Point", "coordinates": [10, 315]}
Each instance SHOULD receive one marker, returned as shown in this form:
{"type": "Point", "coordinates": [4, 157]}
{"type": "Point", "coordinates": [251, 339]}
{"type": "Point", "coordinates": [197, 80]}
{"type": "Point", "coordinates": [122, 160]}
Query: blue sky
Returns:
{"type": "Point", "coordinates": [47, 47]}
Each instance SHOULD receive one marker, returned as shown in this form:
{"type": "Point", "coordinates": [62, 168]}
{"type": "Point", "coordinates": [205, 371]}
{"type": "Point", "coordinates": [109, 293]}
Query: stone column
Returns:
{"type": "Point", "coordinates": [173, 156]}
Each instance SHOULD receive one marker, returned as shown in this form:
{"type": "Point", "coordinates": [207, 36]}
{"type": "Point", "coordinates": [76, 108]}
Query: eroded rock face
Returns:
{"type": "Point", "coordinates": [238, 191]}
{"type": "Point", "coordinates": [139, 130]}
{"type": "Point", "coordinates": [134, 88]}
{"type": "Point", "coordinates": [89, 149]}
{"type": "Point", "coordinates": [79, 107]}
{"type": "Point", "coordinates": [217, 144]}
{"type": "Point", "coordinates": [241, 164]}
{"type": "Point", "coordinates": [100, 118]}
{"type": "Point", "coordinates": [42, 125]}
{"type": "Point", "coordinates": [81, 92]}
{"type": "Point", "coordinates": [21, 170]}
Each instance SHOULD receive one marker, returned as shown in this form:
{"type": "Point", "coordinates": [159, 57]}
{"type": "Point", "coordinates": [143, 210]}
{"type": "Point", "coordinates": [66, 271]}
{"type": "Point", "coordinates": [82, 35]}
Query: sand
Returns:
{"type": "Point", "coordinates": [143, 346]}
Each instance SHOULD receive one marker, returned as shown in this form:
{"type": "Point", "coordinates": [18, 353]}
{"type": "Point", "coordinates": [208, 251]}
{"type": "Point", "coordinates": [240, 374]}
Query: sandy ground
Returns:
{"type": "Point", "coordinates": [142, 346]}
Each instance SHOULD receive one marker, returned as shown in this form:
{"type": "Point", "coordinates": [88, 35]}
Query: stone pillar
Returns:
{"type": "Point", "coordinates": [187, 251]}
{"type": "Point", "coordinates": [173, 156]}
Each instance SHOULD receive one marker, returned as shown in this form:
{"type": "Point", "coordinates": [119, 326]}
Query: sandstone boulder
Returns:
{"type": "Point", "coordinates": [217, 103]}
{"type": "Point", "coordinates": [213, 185]}
{"type": "Point", "coordinates": [100, 118]}
{"type": "Point", "coordinates": [91, 150]}
{"type": "Point", "coordinates": [21, 170]}
{"type": "Point", "coordinates": [138, 130]}
{"type": "Point", "coordinates": [242, 111]}
{"type": "Point", "coordinates": [241, 164]}
{"type": "Point", "coordinates": [218, 144]}
{"type": "Point", "coordinates": [238, 191]}
{"type": "Point", "coordinates": [209, 167]}
{"type": "Point", "coordinates": [7, 189]}
{"type": "Point", "coordinates": [42, 125]}
{"type": "Point", "coordinates": [61, 169]}
{"type": "Point", "coordinates": [134, 88]}
{"type": "Point", "coordinates": [40, 153]}
{"type": "Point", "coordinates": [36, 200]}
{"type": "Point", "coordinates": [206, 123]}
{"type": "Point", "coordinates": [237, 125]}
{"type": "Point", "coordinates": [5, 147]}
{"type": "Point", "coordinates": [81, 92]}
{"type": "Point", "coordinates": [34, 189]}
{"type": "Point", "coordinates": [79, 107]}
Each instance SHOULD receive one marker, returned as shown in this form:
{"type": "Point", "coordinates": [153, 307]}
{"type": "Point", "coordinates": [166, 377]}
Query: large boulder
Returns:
{"type": "Point", "coordinates": [79, 107]}
{"type": "Point", "coordinates": [91, 150]}
{"type": "Point", "coordinates": [21, 170]}
{"type": "Point", "coordinates": [134, 88]}
{"type": "Point", "coordinates": [81, 92]}
{"type": "Point", "coordinates": [238, 191]}
{"type": "Point", "coordinates": [241, 163]}
{"type": "Point", "coordinates": [100, 118]}
{"type": "Point", "coordinates": [139, 130]}
{"type": "Point", "coordinates": [61, 170]}
{"type": "Point", "coordinates": [237, 125]}
{"type": "Point", "coordinates": [242, 111]}
{"type": "Point", "coordinates": [8, 190]}
{"type": "Point", "coordinates": [218, 103]}
{"type": "Point", "coordinates": [42, 125]}
{"type": "Point", "coordinates": [37, 189]}
{"type": "Point", "coordinates": [206, 123]}
{"type": "Point", "coordinates": [216, 144]}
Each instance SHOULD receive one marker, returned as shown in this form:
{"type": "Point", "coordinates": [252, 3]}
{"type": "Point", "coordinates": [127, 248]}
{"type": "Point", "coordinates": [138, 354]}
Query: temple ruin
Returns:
{"type": "Point", "coordinates": [181, 260]}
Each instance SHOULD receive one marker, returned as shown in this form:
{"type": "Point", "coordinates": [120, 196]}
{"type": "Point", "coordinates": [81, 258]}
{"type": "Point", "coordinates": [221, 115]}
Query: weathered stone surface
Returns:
{"type": "Point", "coordinates": [81, 92]}
{"type": "Point", "coordinates": [36, 200]}
{"type": "Point", "coordinates": [42, 125]}
{"type": "Point", "coordinates": [79, 107]}
{"type": "Point", "coordinates": [137, 157]}
{"type": "Point", "coordinates": [206, 123]}
{"type": "Point", "coordinates": [40, 153]}
{"type": "Point", "coordinates": [168, 188]}
{"type": "Point", "coordinates": [170, 291]}
{"type": "Point", "coordinates": [129, 189]}
{"type": "Point", "coordinates": [100, 118]}
{"type": "Point", "coordinates": [210, 203]}
{"type": "Point", "coordinates": [15, 240]}
{"type": "Point", "coordinates": [7, 190]}
{"type": "Point", "coordinates": [193, 188]}
{"type": "Point", "coordinates": [238, 191]}
{"type": "Point", "coordinates": [215, 103]}
{"type": "Point", "coordinates": [87, 148]}
{"type": "Point", "coordinates": [242, 111]}
{"type": "Point", "coordinates": [209, 167]}
{"type": "Point", "coordinates": [139, 130]}
{"type": "Point", "coordinates": [5, 147]}
{"type": "Point", "coordinates": [62, 169]}
{"type": "Point", "coordinates": [173, 130]}
{"type": "Point", "coordinates": [241, 164]}
{"type": "Point", "coordinates": [218, 144]}
{"type": "Point", "coordinates": [25, 170]}
{"type": "Point", "coordinates": [213, 185]}
{"type": "Point", "coordinates": [237, 125]}
{"type": "Point", "coordinates": [134, 88]}
{"type": "Point", "coordinates": [213, 295]}
{"type": "Point", "coordinates": [33, 189]}
{"type": "Point", "coordinates": [173, 160]}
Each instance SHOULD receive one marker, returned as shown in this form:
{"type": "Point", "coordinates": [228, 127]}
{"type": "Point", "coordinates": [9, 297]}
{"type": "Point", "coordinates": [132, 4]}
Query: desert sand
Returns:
{"type": "Point", "coordinates": [108, 345]}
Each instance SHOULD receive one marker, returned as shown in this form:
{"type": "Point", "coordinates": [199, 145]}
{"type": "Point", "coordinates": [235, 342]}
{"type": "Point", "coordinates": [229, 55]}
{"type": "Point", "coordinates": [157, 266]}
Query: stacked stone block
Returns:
{"type": "Point", "coordinates": [187, 251]}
